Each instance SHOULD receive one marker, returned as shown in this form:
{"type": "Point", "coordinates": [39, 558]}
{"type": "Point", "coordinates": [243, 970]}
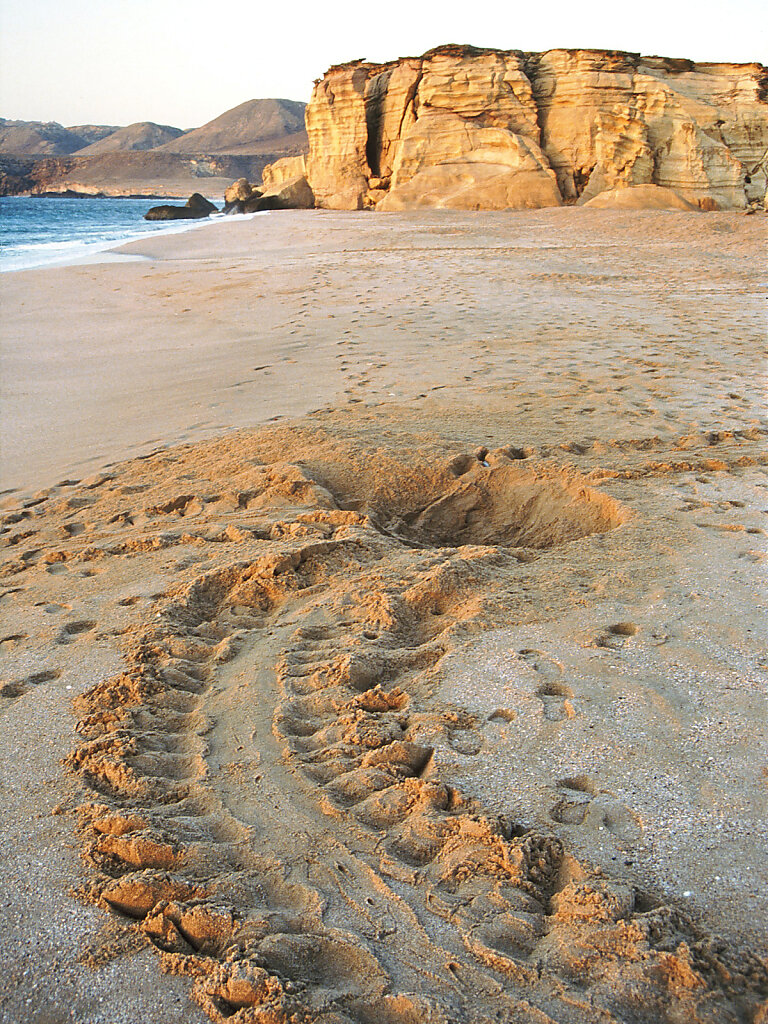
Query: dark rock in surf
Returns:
{"type": "Point", "coordinates": [196, 206]}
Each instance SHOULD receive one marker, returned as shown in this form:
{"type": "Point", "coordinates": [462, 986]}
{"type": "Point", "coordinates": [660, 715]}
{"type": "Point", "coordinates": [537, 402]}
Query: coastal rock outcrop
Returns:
{"type": "Point", "coordinates": [284, 187]}
{"type": "Point", "coordinates": [471, 128]}
{"type": "Point", "coordinates": [196, 206]}
{"type": "Point", "coordinates": [639, 197]}
{"type": "Point", "coordinates": [239, 193]}
{"type": "Point", "coordinates": [286, 181]}
{"type": "Point", "coordinates": [288, 168]}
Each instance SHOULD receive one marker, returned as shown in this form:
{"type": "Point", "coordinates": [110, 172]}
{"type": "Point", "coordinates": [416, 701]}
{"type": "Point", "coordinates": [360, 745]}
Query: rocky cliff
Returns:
{"type": "Point", "coordinates": [472, 128]}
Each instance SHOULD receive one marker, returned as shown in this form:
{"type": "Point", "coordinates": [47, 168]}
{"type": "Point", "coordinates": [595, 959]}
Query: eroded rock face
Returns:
{"type": "Point", "coordinates": [288, 168]}
{"type": "Point", "coordinates": [284, 187]}
{"type": "Point", "coordinates": [467, 128]}
{"type": "Point", "coordinates": [286, 181]}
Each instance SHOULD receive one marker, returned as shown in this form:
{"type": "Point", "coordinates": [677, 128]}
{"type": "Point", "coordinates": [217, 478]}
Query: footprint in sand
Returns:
{"type": "Point", "coordinates": [73, 529]}
{"type": "Point", "coordinates": [465, 741]}
{"type": "Point", "coordinates": [13, 638]}
{"type": "Point", "coordinates": [615, 636]}
{"type": "Point", "coordinates": [582, 803]}
{"type": "Point", "coordinates": [553, 694]}
{"type": "Point", "coordinates": [74, 629]}
{"type": "Point", "coordinates": [53, 608]}
{"type": "Point", "coordinates": [556, 698]}
{"type": "Point", "coordinates": [21, 686]}
{"type": "Point", "coordinates": [503, 716]}
{"type": "Point", "coordinates": [543, 663]}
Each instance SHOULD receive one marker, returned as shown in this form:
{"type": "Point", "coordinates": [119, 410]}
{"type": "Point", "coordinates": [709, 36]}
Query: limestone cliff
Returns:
{"type": "Point", "coordinates": [470, 128]}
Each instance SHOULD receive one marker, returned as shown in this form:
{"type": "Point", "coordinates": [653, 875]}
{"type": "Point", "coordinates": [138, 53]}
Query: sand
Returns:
{"type": "Point", "coordinates": [439, 693]}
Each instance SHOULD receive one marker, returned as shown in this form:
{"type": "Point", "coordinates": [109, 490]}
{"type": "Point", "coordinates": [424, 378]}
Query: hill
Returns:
{"type": "Point", "coordinates": [253, 127]}
{"type": "Point", "coordinates": [146, 158]}
{"type": "Point", "coordinates": [141, 172]}
{"type": "Point", "coordinates": [47, 138]}
{"type": "Point", "coordinates": [140, 136]}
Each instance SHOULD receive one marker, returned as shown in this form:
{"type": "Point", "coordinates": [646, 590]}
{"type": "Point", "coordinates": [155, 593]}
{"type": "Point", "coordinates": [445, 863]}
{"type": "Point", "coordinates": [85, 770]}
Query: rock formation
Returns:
{"type": "Point", "coordinates": [286, 181]}
{"type": "Point", "coordinates": [197, 206]}
{"type": "Point", "coordinates": [470, 128]}
{"type": "Point", "coordinates": [239, 192]}
{"type": "Point", "coordinates": [288, 168]}
{"type": "Point", "coordinates": [284, 187]}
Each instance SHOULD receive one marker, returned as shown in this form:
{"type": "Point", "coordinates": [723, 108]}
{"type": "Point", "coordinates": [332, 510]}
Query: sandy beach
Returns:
{"type": "Point", "coordinates": [383, 623]}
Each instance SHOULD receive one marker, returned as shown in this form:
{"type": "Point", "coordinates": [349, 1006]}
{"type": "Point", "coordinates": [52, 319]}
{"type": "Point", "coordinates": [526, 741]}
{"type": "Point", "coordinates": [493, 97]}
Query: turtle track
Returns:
{"type": "Point", "coordinates": [316, 866]}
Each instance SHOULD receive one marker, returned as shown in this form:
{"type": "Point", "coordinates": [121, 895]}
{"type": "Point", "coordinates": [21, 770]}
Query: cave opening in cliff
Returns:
{"type": "Point", "coordinates": [373, 108]}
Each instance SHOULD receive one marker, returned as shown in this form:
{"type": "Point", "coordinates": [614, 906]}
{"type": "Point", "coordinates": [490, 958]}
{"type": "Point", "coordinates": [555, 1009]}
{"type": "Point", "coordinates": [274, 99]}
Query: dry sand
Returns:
{"type": "Point", "coordinates": [445, 702]}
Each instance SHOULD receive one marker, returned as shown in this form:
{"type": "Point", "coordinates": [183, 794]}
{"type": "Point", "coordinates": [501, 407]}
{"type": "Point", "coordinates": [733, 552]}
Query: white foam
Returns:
{"type": "Point", "coordinates": [39, 255]}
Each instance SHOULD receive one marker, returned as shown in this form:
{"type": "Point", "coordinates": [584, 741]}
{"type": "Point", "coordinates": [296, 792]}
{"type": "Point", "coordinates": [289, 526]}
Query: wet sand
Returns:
{"type": "Point", "coordinates": [440, 693]}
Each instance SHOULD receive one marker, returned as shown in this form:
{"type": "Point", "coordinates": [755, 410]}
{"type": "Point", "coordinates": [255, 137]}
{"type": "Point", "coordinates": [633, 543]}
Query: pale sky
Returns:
{"type": "Point", "coordinates": [183, 62]}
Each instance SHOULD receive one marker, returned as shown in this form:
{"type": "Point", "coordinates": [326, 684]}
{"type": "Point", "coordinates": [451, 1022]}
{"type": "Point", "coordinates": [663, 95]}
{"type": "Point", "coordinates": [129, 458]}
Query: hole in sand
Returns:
{"type": "Point", "coordinates": [579, 784]}
{"type": "Point", "coordinates": [501, 505]}
{"type": "Point", "coordinates": [550, 688]}
{"type": "Point", "coordinates": [503, 715]}
{"type": "Point", "coordinates": [644, 902]}
{"type": "Point", "coordinates": [73, 629]}
{"type": "Point", "coordinates": [46, 676]}
{"type": "Point", "coordinates": [624, 629]}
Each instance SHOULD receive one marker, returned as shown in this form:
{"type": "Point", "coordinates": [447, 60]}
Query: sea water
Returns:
{"type": "Point", "coordinates": [38, 232]}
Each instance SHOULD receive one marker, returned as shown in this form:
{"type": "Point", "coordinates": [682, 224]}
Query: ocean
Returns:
{"type": "Point", "coordinates": [38, 232]}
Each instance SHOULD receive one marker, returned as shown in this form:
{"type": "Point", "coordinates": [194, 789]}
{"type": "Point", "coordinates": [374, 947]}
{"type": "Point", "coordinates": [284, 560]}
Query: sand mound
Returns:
{"type": "Point", "coordinates": [640, 197]}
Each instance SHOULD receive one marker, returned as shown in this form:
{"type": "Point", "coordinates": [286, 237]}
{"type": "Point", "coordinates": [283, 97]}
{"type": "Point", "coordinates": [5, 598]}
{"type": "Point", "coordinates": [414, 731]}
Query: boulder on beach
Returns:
{"type": "Point", "coordinates": [279, 193]}
{"type": "Point", "coordinates": [196, 206]}
{"type": "Point", "coordinates": [260, 203]}
{"type": "Point", "coordinates": [640, 197]}
{"type": "Point", "coordinates": [291, 194]}
{"type": "Point", "coordinates": [239, 192]}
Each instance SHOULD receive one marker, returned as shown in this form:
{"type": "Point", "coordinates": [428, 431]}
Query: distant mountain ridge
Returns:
{"type": "Point", "coordinates": [48, 138]}
{"type": "Point", "coordinates": [140, 136]}
{"type": "Point", "coordinates": [145, 157]}
{"type": "Point", "coordinates": [247, 129]}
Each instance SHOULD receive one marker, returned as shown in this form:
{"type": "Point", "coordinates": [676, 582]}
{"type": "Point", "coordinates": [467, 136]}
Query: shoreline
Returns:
{"type": "Point", "coordinates": [91, 251]}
